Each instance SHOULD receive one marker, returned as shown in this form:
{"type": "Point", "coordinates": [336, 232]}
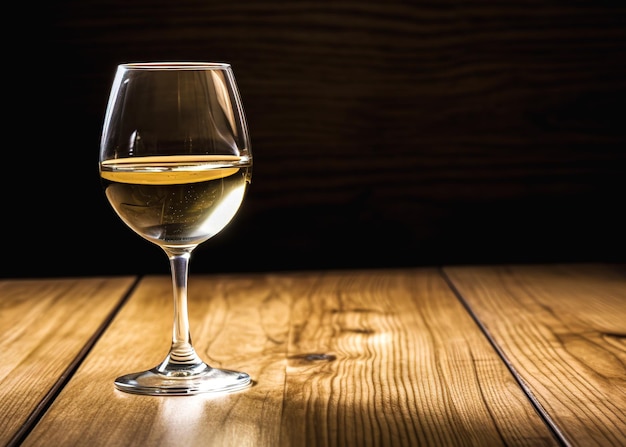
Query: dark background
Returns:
{"type": "Point", "coordinates": [384, 133]}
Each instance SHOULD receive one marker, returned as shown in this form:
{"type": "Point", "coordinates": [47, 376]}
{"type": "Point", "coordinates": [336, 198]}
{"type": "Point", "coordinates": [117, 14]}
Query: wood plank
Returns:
{"type": "Point", "coordinates": [562, 328]}
{"type": "Point", "coordinates": [392, 358]}
{"type": "Point", "coordinates": [236, 323]}
{"type": "Point", "coordinates": [345, 359]}
{"type": "Point", "coordinates": [45, 325]}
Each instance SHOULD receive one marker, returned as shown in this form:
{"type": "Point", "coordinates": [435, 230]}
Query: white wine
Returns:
{"type": "Point", "coordinates": [176, 200]}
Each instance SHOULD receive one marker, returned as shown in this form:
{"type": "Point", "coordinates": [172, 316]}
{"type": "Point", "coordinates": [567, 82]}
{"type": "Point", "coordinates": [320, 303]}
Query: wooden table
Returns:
{"type": "Point", "coordinates": [460, 355]}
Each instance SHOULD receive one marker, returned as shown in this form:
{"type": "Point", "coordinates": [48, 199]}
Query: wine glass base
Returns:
{"type": "Point", "coordinates": [211, 380]}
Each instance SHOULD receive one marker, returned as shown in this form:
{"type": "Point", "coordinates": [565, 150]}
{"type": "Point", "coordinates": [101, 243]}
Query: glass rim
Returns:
{"type": "Point", "coordinates": [175, 66]}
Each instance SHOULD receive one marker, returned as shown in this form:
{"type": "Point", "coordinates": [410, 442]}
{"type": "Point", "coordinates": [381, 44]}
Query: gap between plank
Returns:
{"type": "Point", "coordinates": [20, 436]}
{"type": "Point", "coordinates": [561, 439]}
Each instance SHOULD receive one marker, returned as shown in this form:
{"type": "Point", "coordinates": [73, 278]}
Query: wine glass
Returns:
{"type": "Point", "coordinates": [175, 164]}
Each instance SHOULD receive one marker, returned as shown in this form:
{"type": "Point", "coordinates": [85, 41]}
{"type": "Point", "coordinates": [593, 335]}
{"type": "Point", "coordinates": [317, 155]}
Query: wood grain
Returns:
{"type": "Point", "coordinates": [236, 322]}
{"type": "Point", "coordinates": [45, 327]}
{"type": "Point", "coordinates": [562, 329]}
{"type": "Point", "coordinates": [432, 130]}
{"type": "Point", "coordinates": [370, 358]}
{"type": "Point", "coordinates": [391, 358]}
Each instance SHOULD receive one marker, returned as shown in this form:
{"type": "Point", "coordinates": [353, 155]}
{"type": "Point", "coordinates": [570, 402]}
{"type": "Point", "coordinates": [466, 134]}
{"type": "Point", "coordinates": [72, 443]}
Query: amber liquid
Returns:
{"type": "Point", "coordinates": [176, 200]}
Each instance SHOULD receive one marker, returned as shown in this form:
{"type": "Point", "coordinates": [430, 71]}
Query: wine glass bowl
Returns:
{"type": "Point", "coordinates": [175, 164]}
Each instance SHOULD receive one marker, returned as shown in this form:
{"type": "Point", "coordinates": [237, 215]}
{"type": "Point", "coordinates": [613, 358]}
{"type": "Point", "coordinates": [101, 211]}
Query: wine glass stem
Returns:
{"type": "Point", "coordinates": [182, 355]}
